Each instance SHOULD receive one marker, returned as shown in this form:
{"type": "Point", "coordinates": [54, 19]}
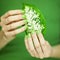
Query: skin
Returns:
{"type": "Point", "coordinates": [9, 23]}
{"type": "Point", "coordinates": [38, 47]}
{"type": "Point", "coordinates": [35, 43]}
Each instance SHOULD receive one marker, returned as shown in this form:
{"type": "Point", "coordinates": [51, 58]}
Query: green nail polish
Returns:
{"type": "Point", "coordinates": [25, 36]}
{"type": "Point", "coordinates": [26, 26]}
{"type": "Point", "coordinates": [24, 16]}
{"type": "Point", "coordinates": [22, 11]}
{"type": "Point", "coordinates": [25, 21]}
{"type": "Point", "coordinates": [39, 31]}
{"type": "Point", "coordinates": [29, 35]}
{"type": "Point", "coordinates": [32, 32]}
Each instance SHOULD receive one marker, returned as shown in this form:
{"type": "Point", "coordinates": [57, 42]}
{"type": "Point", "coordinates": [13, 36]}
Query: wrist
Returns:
{"type": "Point", "coordinates": [52, 52]}
{"type": "Point", "coordinates": [4, 40]}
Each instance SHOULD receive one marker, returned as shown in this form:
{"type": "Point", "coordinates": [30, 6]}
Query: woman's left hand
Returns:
{"type": "Point", "coordinates": [37, 46]}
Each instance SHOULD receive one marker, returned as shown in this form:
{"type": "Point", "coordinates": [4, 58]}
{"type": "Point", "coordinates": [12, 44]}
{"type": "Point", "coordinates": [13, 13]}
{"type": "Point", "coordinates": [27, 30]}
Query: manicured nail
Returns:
{"type": "Point", "coordinates": [25, 36]}
{"type": "Point", "coordinates": [39, 31]}
{"type": "Point", "coordinates": [22, 11]}
{"type": "Point", "coordinates": [29, 35]}
{"type": "Point", "coordinates": [32, 32]}
{"type": "Point", "coordinates": [24, 16]}
{"type": "Point", "coordinates": [25, 21]}
{"type": "Point", "coordinates": [25, 26]}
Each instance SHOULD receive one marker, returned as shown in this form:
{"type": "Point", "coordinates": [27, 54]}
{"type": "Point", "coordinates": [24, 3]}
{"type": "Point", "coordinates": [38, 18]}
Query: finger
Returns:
{"type": "Point", "coordinates": [27, 47]}
{"type": "Point", "coordinates": [47, 49]}
{"type": "Point", "coordinates": [31, 46]}
{"type": "Point", "coordinates": [12, 12]}
{"type": "Point", "coordinates": [37, 45]}
{"type": "Point", "coordinates": [2, 25]}
{"type": "Point", "coordinates": [42, 42]}
{"type": "Point", "coordinates": [14, 32]}
{"type": "Point", "coordinates": [41, 38]}
{"type": "Point", "coordinates": [14, 25]}
{"type": "Point", "coordinates": [12, 19]}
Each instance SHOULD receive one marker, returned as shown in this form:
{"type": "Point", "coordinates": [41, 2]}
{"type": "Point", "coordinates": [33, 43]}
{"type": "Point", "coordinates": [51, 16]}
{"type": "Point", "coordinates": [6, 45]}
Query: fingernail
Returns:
{"type": "Point", "coordinates": [26, 26]}
{"type": "Point", "coordinates": [22, 11]}
{"type": "Point", "coordinates": [24, 17]}
{"type": "Point", "coordinates": [39, 31]}
{"type": "Point", "coordinates": [32, 32]}
{"type": "Point", "coordinates": [29, 35]}
{"type": "Point", "coordinates": [25, 36]}
{"type": "Point", "coordinates": [25, 21]}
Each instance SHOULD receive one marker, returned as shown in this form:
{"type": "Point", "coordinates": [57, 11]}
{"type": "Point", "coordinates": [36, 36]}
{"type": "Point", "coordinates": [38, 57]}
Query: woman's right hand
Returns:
{"type": "Point", "coordinates": [10, 22]}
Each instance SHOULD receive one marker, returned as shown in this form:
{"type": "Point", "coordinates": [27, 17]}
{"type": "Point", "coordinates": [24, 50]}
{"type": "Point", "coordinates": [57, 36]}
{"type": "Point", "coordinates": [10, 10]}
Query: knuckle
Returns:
{"type": "Point", "coordinates": [13, 33]}
{"type": "Point", "coordinates": [12, 25]}
{"type": "Point", "coordinates": [8, 18]}
{"type": "Point", "coordinates": [37, 46]}
{"type": "Point", "coordinates": [3, 29]}
{"type": "Point", "coordinates": [10, 11]}
{"type": "Point", "coordinates": [32, 50]}
{"type": "Point", "coordinates": [8, 27]}
{"type": "Point", "coordinates": [6, 33]}
{"type": "Point", "coordinates": [41, 57]}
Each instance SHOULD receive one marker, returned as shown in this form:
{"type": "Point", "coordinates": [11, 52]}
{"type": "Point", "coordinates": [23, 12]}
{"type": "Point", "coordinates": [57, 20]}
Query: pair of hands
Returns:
{"type": "Point", "coordinates": [37, 46]}
{"type": "Point", "coordinates": [35, 43]}
{"type": "Point", "coordinates": [10, 22]}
